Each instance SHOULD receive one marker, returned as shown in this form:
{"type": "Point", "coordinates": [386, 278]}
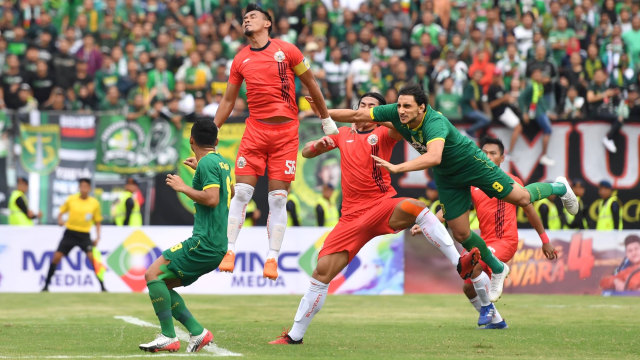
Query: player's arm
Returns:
{"type": "Point", "coordinates": [317, 147]}
{"type": "Point", "coordinates": [97, 219]}
{"type": "Point", "coordinates": [209, 196]}
{"type": "Point", "coordinates": [319, 106]}
{"type": "Point", "coordinates": [341, 115]}
{"type": "Point", "coordinates": [393, 133]}
{"type": "Point", "coordinates": [431, 158]}
{"type": "Point", "coordinates": [64, 208]}
{"type": "Point", "coordinates": [98, 231]}
{"type": "Point", "coordinates": [536, 222]}
{"type": "Point", "coordinates": [226, 104]}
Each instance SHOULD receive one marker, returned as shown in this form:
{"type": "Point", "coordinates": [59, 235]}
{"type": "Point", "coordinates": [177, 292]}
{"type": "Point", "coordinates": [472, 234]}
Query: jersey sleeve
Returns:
{"type": "Point", "coordinates": [234, 76]}
{"type": "Point", "coordinates": [65, 207]}
{"type": "Point", "coordinates": [517, 179]}
{"type": "Point", "coordinates": [297, 61]}
{"type": "Point", "coordinates": [384, 113]}
{"type": "Point", "coordinates": [436, 130]}
{"type": "Point", "coordinates": [211, 173]}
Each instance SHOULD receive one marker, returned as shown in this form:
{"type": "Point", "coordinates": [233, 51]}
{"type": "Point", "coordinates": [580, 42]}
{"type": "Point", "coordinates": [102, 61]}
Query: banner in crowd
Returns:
{"type": "Point", "coordinates": [589, 262]}
{"type": "Point", "coordinates": [136, 147]}
{"type": "Point", "coordinates": [25, 254]}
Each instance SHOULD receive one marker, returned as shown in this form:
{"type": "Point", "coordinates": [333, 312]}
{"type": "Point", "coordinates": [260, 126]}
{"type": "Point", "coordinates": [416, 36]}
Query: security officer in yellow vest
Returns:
{"type": "Point", "coordinates": [252, 214]}
{"type": "Point", "coordinates": [19, 213]}
{"type": "Point", "coordinates": [548, 212]}
{"type": "Point", "coordinates": [127, 208]}
{"type": "Point", "coordinates": [293, 210]}
{"type": "Point", "coordinates": [609, 208]}
{"type": "Point", "coordinates": [327, 212]}
{"type": "Point", "coordinates": [579, 221]}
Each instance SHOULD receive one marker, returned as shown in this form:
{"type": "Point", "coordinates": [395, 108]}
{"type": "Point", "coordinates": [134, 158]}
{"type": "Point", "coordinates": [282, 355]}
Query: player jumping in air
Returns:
{"type": "Point", "coordinates": [499, 229]}
{"type": "Point", "coordinates": [369, 209]}
{"type": "Point", "coordinates": [185, 262]}
{"type": "Point", "coordinates": [270, 140]}
{"type": "Point", "coordinates": [457, 164]}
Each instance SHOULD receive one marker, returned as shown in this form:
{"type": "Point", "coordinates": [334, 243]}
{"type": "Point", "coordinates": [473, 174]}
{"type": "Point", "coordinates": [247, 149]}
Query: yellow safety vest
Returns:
{"type": "Point", "coordinates": [16, 216]}
{"type": "Point", "coordinates": [474, 224]}
{"type": "Point", "coordinates": [553, 219]}
{"type": "Point", "coordinates": [121, 210]}
{"type": "Point", "coordinates": [605, 215]}
{"type": "Point", "coordinates": [296, 202]}
{"type": "Point", "coordinates": [331, 214]}
{"type": "Point", "coordinates": [434, 206]}
{"type": "Point", "coordinates": [251, 207]}
{"type": "Point", "coordinates": [570, 217]}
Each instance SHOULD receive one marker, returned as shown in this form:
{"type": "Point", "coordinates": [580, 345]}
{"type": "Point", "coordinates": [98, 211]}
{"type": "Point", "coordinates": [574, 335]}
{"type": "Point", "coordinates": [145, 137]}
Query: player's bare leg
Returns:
{"type": "Point", "coordinates": [245, 185]}
{"type": "Point", "coordinates": [329, 266]}
{"type": "Point", "coordinates": [276, 225]}
{"type": "Point", "coordinates": [478, 294]}
{"type": "Point", "coordinates": [411, 211]}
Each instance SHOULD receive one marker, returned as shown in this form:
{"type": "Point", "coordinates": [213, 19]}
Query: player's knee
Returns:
{"type": "Point", "coordinates": [277, 199]}
{"type": "Point", "coordinates": [461, 234]}
{"type": "Point", "coordinates": [150, 275]}
{"type": "Point", "coordinates": [243, 192]}
{"type": "Point", "coordinates": [402, 222]}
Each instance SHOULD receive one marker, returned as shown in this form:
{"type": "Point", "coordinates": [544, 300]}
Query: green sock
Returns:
{"type": "Point", "coordinates": [161, 301]}
{"type": "Point", "coordinates": [487, 256]}
{"type": "Point", "coordinates": [544, 190]}
{"type": "Point", "coordinates": [182, 314]}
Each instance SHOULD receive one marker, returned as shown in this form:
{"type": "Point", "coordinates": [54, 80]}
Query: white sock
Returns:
{"type": "Point", "coordinates": [476, 303]}
{"type": "Point", "coordinates": [277, 221]}
{"type": "Point", "coordinates": [481, 285]}
{"type": "Point", "coordinates": [435, 232]}
{"type": "Point", "coordinates": [496, 316]}
{"type": "Point", "coordinates": [237, 212]}
{"type": "Point", "coordinates": [310, 304]}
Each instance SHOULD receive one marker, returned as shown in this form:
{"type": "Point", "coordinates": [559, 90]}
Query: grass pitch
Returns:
{"type": "Point", "coordinates": [39, 326]}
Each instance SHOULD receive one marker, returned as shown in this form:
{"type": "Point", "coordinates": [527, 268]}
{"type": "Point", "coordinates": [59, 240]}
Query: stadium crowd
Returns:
{"type": "Point", "coordinates": [518, 62]}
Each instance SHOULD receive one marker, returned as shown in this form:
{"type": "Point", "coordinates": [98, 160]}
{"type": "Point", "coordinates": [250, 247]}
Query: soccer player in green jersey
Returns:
{"type": "Point", "coordinates": [185, 262]}
{"type": "Point", "coordinates": [457, 164]}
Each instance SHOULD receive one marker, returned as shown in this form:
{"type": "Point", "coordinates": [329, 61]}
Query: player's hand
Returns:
{"type": "Point", "coordinates": [324, 144]}
{"type": "Point", "coordinates": [314, 107]}
{"type": "Point", "coordinates": [60, 222]}
{"type": "Point", "coordinates": [191, 162]}
{"type": "Point", "coordinates": [549, 251]}
{"type": "Point", "coordinates": [415, 230]}
{"type": "Point", "coordinates": [393, 169]}
{"type": "Point", "coordinates": [175, 182]}
{"type": "Point", "coordinates": [329, 126]}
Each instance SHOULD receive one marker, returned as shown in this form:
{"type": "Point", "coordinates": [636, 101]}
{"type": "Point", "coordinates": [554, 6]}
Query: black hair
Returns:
{"type": "Point", "coordinates": [85, 180]}
{"type": "Point", "coordinates": [204, 131]}
{"type": "Point", "coordinates": [256, 7]}
{"type": "Point", "coordinates": [23, 179]}
{"type": "Point", "coordinates": [631, 239]}
{"type": "Point", "coordinates": [416, 91]}
{"type": "Point", "coordinates": [490, 140]}
{"type": "Point", "coordinates": [375, 95]}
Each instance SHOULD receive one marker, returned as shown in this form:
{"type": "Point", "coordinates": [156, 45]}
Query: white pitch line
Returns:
{"type": "Point", "coordinates": [212, 348]}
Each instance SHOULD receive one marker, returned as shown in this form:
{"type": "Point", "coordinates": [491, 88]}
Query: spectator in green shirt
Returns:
{"type": "Point", "coordinates": [473, 105]}
{"type": "Point", "coordinates": [161, 81]}
{"type": "Point", "coordinates": [559, 39]}
{"type": "Point", "coordinates": [631, 38]}
{"type": "Point", "coordinates": [112, 102]}
{"type": "Point", "coordinates": [448, 102]}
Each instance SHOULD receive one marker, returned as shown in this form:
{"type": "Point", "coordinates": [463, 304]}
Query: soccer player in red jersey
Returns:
{"type": "Point", "coordinates": [369, 209]}
{"type": "Point", "coordinates": [270, 140]}
{"type": "Point", "coordinates": [499, 229]}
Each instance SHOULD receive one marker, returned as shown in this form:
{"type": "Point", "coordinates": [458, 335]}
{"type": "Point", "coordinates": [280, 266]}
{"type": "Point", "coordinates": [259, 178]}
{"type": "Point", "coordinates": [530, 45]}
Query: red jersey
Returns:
{"type": "Point", "coordinates": [363, 183]}
{"type": "Point", "coordinates": [498, 218]}
{"type": "Point", "coordinates": [269, 74]}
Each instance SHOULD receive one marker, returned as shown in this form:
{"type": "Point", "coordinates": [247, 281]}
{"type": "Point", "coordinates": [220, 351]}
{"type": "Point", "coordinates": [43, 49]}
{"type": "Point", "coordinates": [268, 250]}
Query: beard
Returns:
{"type": "Point", "coordinates": [248, 33]}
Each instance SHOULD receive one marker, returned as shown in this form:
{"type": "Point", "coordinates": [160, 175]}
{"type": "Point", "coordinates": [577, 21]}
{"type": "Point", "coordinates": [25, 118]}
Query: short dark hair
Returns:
{"type": "Point", "coordinates": [204, 131]}
{"type": "Point", "coordinates": [23, 179]}
{"type": "Point", "coordinates": [374, 95]}
{"type": "Point", "coordinates": [491, 140]}
{"type": "Point", "coordinates": [85, 180]}
{"type": "Point", "coordinates": [256, 7]}
{"type": "Point", "coordinates": [631, 239]}
{"type": "Point", "coordinates": [416, 91]}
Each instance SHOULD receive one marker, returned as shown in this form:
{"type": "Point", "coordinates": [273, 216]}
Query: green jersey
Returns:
{"type": "Point", "coordinates": [458, 149]}
{"type": "Point", "coordinates": [210, 223]}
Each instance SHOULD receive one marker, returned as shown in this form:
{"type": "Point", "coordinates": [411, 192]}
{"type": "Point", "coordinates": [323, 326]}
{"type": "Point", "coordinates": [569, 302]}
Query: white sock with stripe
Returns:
{"type": "Point", "coordinates": [277, 221]}
{"type": "Point", "coordinates": [435, 232]}
{"type": "Point", "coordinates": [237, 213]}
{"type": "Point", "coordinates": [310, 304]}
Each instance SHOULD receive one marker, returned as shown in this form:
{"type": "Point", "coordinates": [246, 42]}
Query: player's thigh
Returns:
{"type": "Point", "coordinates": [68, 242]}
{"type": "Point", "coordinates": [154, 270]}
{"type": "Point", "coordinates": [405, 213]}
{"type": "Point", "coordinates": [519, 196]}
{"type": "Point", "coordinates": [252, 155]}
{"type": "Point", "coordinates": [281, 161]}
{"type": "Point", "coordinates": [189, 260]}
{"type": "Point", "coordinates": [460, 228]}
{"type": "Point", "coordinates": [329, 266]}
{"type": "Point", "coordinates": [455, 196]}
{"type": "Point", "coordinates": [488, 177]}
{"type": "Point", "coordinates": [278, 185]}
{"type": "Point", "coordinates": [349, 234]}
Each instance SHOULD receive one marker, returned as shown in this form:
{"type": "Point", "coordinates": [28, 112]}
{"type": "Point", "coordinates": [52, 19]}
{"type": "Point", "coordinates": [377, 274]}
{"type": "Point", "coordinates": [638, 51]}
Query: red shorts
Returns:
{"type": "Point", "coordinates": [353, 231]}
{"type": "Point", "coordinates": [504, 250]}
{"type": "Point", "coordinates": [270, 146]}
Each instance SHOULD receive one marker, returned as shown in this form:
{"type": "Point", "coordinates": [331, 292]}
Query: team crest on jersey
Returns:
{"type": "Point", "coordinates": [242, 162]}
{"type": "Point", "coordinates": [372, 139]}
{"type": "Point", "coordinates": [279, 56]}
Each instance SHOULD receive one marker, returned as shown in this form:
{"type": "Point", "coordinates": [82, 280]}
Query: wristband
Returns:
{"type": "Point", "coordinates": [313, 147]}
{"type": "Point", "coordinates": [545, 238]}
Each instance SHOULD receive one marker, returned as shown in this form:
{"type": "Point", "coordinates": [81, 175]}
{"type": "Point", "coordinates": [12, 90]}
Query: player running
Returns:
{"type": "Point", "coordinates": [457, 164]}
{"type": "Point", "coordinates": [270, 140]}
{"type": "Point", "coordinates": [185, 262]}
{"type": "Point", "coordinates": [499, 228]}
{"type": "Point", "coordinates": [369, 209]}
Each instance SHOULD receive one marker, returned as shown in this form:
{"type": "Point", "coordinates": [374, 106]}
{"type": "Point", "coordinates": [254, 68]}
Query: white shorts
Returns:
{"type": "Point", "coordinates": [509, 118]}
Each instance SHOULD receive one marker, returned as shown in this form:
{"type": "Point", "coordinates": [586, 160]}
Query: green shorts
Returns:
{"type": "Point", "coordinates": [190, 259]}
{"type": "Point", "coordinates": [455, 190]}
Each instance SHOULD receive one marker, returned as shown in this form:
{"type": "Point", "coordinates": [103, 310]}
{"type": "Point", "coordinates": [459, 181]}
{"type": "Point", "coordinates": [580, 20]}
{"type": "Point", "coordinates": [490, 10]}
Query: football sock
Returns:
{"type": "Point", "coordinates": [310, 304]}
{"type": "Point", "coordinates": [277, 221]}
{"type": "Point", "coordinates": [496, 316]}
{"type": "Point", "coordinates": [540, 190]}
{"type": "Point", "coordinates": [476, 303]}
{"type": "Point", "coordinates": [181, 313]}
{"type": "Point", "coordinates": [481, 285]}
{"type": "Point", "coordinates": [161, 301]}
{"type": "Point", "coordinates": [487, 256]}
{"type": "Point", "coordinates": [237, 212]}
{"type": "Point", "coordinates": [435, 232]}
{"type": "Point", "coordinates": [52, 270]}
